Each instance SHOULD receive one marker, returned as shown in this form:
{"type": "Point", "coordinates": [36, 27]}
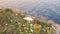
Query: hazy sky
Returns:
{"type": "Point", "coordinates": [26, 3]}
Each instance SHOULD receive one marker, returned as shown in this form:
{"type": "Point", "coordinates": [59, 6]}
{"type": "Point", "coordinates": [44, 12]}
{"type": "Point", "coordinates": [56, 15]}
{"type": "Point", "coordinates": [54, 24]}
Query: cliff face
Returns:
{"type": "Point", "coordinates": [12, 21]}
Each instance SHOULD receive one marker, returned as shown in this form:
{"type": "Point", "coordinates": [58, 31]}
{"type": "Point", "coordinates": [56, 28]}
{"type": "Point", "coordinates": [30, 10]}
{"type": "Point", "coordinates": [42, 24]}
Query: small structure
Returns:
{"type": "Point", "coordinates": [28, 18]}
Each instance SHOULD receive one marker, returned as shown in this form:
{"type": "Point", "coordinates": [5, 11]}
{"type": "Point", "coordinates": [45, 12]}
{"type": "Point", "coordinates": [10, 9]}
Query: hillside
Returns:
{"type": "Point", "coordinates": [13, 21]}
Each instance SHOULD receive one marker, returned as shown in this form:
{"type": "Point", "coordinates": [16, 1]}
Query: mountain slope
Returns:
{"type": "Point", "coordinates": [13, 21]}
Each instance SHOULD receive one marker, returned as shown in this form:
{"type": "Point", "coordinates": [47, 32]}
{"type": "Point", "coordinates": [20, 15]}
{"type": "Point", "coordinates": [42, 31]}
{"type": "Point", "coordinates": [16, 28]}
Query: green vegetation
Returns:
{"type": "Point", "coordinates": [13, 23]}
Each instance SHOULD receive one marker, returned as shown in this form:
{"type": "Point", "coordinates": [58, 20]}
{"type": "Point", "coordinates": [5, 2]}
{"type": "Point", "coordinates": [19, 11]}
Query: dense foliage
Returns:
{"type": "Point", "coordinates": [13, 23]}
